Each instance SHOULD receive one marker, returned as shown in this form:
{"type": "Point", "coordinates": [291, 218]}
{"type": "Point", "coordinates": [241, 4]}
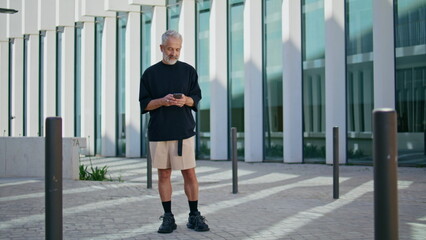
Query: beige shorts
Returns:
{"type": "Point", "coordinates": [164, 154]}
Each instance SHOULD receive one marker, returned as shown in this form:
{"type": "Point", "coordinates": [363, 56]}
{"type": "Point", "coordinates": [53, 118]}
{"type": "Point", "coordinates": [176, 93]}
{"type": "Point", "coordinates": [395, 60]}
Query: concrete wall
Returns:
{"type": "Point", "coordinates": [25, 157]}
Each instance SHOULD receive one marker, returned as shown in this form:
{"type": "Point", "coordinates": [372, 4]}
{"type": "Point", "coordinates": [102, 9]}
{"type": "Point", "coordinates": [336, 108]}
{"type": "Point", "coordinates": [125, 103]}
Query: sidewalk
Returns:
{"type": "Point", "coordinates": [275, 201]}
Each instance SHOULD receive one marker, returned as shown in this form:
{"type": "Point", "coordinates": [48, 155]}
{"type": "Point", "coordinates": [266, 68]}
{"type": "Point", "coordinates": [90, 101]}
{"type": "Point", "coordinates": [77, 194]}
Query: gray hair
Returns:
{"type": "Point", "coordinates": [170, 34]}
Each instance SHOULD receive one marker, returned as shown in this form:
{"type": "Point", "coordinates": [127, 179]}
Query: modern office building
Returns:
{"type": "Point", "coordinates": [283, 72]}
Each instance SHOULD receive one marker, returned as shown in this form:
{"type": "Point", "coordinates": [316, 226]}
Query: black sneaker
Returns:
{"type": "Point", "coordinates": [197, 222]}
{"type": "Point", "coordinates": [168, 224]}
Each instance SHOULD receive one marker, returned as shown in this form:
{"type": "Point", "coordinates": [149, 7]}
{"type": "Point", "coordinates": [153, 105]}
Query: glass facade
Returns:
{"type": "Point", "coordinates": [41, 83]}
{"type": "Point", "coordinates": [25, 85]}
{"type": "Point", "coordinates": [410, 51]}
{"type": "Point", "coordinates": [173, 12]}
{"type": "Point", "coordinates": [59, 36]}
{"type": "Point", "coordinates": [77, 80]}
{"type": "Point", "coordinates": [99, 28]}
{"type": "Point", "coordinates": [10, 117]}
{"type": "Point", "coordinates": [121, 84]}
{"type": "Point", "coordinates": [272, 80]}
{"type": "Point", "coordinates": [203, 63]}
{"type": "Point", "coordinates": [146, 23]}
{"type": "Point", "coordinates": [313, 57]}
{"type": "Point", "coordinates": [359, 77]}
{"type": "Point", "coordinates": [236, 71]}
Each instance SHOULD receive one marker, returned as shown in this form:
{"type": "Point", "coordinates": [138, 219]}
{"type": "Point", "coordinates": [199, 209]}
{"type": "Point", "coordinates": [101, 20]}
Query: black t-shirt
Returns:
{"type": "Point", "coordinates": [173, 122]}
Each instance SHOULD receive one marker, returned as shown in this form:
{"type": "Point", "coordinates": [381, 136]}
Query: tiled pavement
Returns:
{"type": "Point", "coordinates": [275, 201]}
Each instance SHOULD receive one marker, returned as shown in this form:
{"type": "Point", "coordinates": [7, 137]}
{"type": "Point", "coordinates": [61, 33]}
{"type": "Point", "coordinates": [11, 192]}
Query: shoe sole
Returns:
{"type": "Point", "coordinates": [174, 228]}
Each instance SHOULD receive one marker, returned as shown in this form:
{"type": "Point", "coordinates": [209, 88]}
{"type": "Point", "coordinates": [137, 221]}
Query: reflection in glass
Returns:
{"type": "Point", "coordinates": [410, 41]}
{"type": "Point", "coordinates": [121, 84]}
{"type": "Point", "coordinates": [77, 76]}
{"type": "Point", "coordinates": [313, 57]}
{"type": "Point", "coordinates": [59, 37]}
{"type": "Point", "coordinates": [41, 83]}
{"type": "Point", "coordinates": [236, 70]}
{"type": "Point", "coordinates": [173, 12]}
{"type": "Point", "coordinates": [203, 27]}
{"type": "Point", "coordinates": [146, 21]}
{"type": "Point", "coordinates": [99, 28]}
{"type": "Point", "coordinates": [273, 85]}
{"type": "Point", "coordinates": [359, 77]}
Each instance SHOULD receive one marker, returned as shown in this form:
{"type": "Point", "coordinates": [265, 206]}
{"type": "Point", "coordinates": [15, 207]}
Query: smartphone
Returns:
{"type": "Point", "coordinates": [177, 95]}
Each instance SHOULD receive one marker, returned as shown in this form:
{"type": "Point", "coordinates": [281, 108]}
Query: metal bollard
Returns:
{"type": "Point", "coordinates": [385, 174]}
{"type": "Point", "coordinates": [53, 178]}
{"type": "Point", "coordinates": [234, 160]}
{"type": "Point", "coordinates": [335, 162]}
{"type": "Point", "coordinates": [148, 168]}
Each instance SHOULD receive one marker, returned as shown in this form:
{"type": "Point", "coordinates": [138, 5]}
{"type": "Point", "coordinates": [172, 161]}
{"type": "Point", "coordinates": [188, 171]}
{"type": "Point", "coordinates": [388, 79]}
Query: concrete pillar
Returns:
{"type": "Point", "coordinates": [187, 29]}
{"type": "Point", "coordinates": [16, 58]}
{"type": "Point", "coordinates": [108, 89]}
{"type": "Point", "coordinates": [133, 74]}
{"type": "Point", "coordinates": [253, 86]}
{"type": "Point", "coordinates": [46, 22]}
{"type": "Point", "coordinates": [384, 54]}
{"type": "Point", "coordinates": [65, 18]}
{"type": "Point", "coordinates": [158, 27]}
{"type": "Point", "coordinates": [4, 82]}
{"type": "Point", "coordinates": [30, 29]}
{"type": "Point", "coordinates": [88, 84]}
{"type": "Point", "coordinates": [219, 81]}
{"type": "Point", "coordinates": [292, 81]}
{"type": "Point", "coordinates": [335, 77]}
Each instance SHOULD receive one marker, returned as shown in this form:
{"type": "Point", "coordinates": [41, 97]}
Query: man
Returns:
{"type": "Point", "coordinates": [169, 90]}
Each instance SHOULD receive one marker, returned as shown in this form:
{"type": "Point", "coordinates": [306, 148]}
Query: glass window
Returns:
{"type": "Point", "coordinates": [359, 77]}
{"type": "Point", "coordinates": [236, 70]}
{"type": "Point", "coordinates": [121, 84]}
{"type": "Point", "coordinates": [146, 18]}
{"type": "Point", "coordinates": [313, 56]}
{"type": "Point", "coordinates": [11, 43]}
{"type": "Point", "coordinates": [273, 75]}
{"type": "Point", "coordinates": [173, 12]}
{"type": "Point", "coordinates": [25, 85]}
{"type": "Point", "coordinates": [203, 63]}
{"type": "Point", "coordinates": [410, 20]}
{"type": "Point", "coordinates": [59, 36]}
{"type": "Point", "coordinates": [99, 28]}
{"type": "Point", "coordinates": [77, 75]}
{"type": "Point", "coordinates": [41, 83]}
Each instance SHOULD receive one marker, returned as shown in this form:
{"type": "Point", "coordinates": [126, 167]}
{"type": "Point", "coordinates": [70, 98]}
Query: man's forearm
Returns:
{"type": "Point", "coordinates": [155, 103]}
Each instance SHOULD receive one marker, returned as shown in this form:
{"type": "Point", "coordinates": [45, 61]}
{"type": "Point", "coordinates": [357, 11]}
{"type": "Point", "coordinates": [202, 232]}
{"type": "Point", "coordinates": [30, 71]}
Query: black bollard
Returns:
{"type": "Point", "coordinates": [234, 160]}
{"type": "Point", "coordinates": [335, 162]}
{"type": "Point", "coordinates": [385, 174]}
{"type": "Point", "coordinates": [53, 178]}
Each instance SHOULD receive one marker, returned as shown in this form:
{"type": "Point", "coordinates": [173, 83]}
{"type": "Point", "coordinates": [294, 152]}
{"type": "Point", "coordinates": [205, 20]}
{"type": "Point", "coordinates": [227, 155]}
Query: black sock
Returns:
{"type": "Point", "coordinates": [167, 206]}
{"type": "Point", "coordinates": [193, 206]}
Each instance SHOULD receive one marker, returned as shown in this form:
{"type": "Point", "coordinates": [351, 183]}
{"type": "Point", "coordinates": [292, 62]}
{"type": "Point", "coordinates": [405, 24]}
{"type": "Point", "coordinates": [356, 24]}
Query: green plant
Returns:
{"type": "Point", "coordinates": [94, 173]}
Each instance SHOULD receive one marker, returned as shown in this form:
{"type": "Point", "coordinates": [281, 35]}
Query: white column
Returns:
{"type": "Point", "coordinates": [33, 86]}
{"type": "Point", "coordinates": [133, 74]}
{"type": "Point", "coordinates": [108, 89]}
{"type": "Point", "coordinates": [67, 78]}
{"type": "Point", "coordinates": [253, 94]}
{"type": "Point", "coordinates": [384, 54]}
{"type": "Point", "coordinates": [4, 83]}
{"type": "Point", "coordinates": [158, 27]}
{"type": "Point", "coordinates": [17, 88]}
{"type": "Point", "coordinates": [65, 15]}
{"type": "Point", "coordinates": [4, 75]}
{"type": "Point", "coordinates": [14, 32]}
{"type": "Point", "coordinates": [292, 81]}
{"type": "Point", "coordinates": [335, 77]}
{"type": "Point", "coordinates": [46, 22]}
{"type": "Point", "coordinates": [30, 28]}
{"type": "Point", "coordinates": [187, 29]}
{"type": "Point", "coordinates": [88, 85]}
{"type": "Point", "coordinates": [219, 79]}
{"type": "Point", "coordinates": [49, 73]}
